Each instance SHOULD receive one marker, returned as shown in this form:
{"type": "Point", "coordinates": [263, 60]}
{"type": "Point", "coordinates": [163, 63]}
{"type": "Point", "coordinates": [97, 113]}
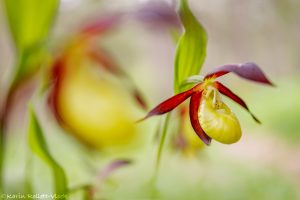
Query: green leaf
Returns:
{"type": "Point", "coordinates": [191, 48]}
{"type": "Point", "coordinates": [39, 146]}
{"type": "Point", "coordinates": [30, 22]}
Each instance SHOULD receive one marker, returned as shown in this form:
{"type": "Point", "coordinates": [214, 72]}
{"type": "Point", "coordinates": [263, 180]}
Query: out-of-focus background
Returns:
{"type": "Point", "coordinates": [264, 164]}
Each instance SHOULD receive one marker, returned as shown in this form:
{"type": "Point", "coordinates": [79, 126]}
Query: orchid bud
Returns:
{"type": "Point", "coordinates": [217, 120]}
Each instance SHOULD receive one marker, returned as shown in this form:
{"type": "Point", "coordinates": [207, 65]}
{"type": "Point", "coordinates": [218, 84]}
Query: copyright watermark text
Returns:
{"type": "Point", "coordinates": [32, 196]}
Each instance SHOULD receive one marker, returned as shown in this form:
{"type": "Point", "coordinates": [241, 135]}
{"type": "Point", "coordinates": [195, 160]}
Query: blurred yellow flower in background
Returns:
{"type": "Point", "coordinates": [88, 102]}
{"type": "Point", "coordinates": [94, 109]}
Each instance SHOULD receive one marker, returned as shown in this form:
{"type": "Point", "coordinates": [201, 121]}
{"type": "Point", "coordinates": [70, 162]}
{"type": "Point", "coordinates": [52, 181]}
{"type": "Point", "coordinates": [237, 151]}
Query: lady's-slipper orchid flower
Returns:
{"type": "Point", "coordinates": [209, 115]}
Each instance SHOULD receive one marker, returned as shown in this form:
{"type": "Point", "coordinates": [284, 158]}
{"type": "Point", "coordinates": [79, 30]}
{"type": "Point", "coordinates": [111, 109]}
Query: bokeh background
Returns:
{"type": "Point", "coordinates": [264, 164]}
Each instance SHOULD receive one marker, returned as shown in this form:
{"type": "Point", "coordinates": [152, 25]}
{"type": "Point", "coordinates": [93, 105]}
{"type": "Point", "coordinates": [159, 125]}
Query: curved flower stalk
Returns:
{"type": "Point", "coordinates": [210, 117]}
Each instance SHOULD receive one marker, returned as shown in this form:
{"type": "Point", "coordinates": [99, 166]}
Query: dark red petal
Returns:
{"type": "Point", "coordinates": [227, 92]}
{"type": "Point", "coordinates": [58, 71]}
{"type": "Point", "coordinates": [250, 71]}
{"type": "Point", "coordinates": [140, 99]}
{"type": "Point", "coordinates": [169, 104]}
{"type": "Point", "coordinates": [194, 109]}
{"type": "Point", "coordinates": [55, 79]}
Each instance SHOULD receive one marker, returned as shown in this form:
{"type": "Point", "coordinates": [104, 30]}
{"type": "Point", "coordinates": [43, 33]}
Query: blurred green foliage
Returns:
{"type": "Point", "coordinates": [39, 146]}
{"type": "Point", "coordinates": [209, 178]}
{"type": "Point", "coordinates": [283, 110]}
{"type": "Point", "coordinates": [30, 22]}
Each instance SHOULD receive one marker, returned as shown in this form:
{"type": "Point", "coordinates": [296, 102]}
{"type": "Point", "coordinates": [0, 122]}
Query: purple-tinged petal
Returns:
{"type": "Point", "coordinates": [227, 92]}
{"type": "Point", "coordinates": [249, 70]}
{"type": "Point", "coordinates": [194, 109]}
{"type": "Point", "coordinates": [158, 14]}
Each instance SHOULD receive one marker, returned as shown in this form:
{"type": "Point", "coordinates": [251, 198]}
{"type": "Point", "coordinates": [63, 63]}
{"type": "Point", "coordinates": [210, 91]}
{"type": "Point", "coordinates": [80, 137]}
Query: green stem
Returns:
{"type": "Point", "coordinates": [28, 172]}
{"type": "Point", "coordinates": [161, 144]}
{"type": "Point", "coordinates": [3, 123]}
{"type": "Point", "coordinates": [4, 112]}
{"type": "Point", "coordinates": [1, 157]}
{"type": "Point", "coordinates": [3, 119]}
{"type": "Point", "coordinates": [2, 144]}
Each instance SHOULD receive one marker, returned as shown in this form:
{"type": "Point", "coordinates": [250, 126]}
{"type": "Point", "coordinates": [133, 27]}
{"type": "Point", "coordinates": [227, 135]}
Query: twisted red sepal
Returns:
{"type": "Point", "coordinates": [194, 108]}
{"type": "Point", "coordinates": [169, 104]}
{"type": "Point", "coordinates": [250, 71]}
{"type": "Point", "coordinates": [227, 92]}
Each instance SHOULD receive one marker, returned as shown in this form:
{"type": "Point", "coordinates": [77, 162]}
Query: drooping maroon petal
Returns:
{"type": "Point", "coordinates": [249, 70]}
{"type": "Point", "coordinates": [194, 108]}
{"type": "Point", "coordinates": [55, 79]}
{"type": "Point", "coordinates": [169, 104]}
{"type": "Point", "coordinates": [139, 99]}
{"type": "Point", "coordinates": [227, 92]}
